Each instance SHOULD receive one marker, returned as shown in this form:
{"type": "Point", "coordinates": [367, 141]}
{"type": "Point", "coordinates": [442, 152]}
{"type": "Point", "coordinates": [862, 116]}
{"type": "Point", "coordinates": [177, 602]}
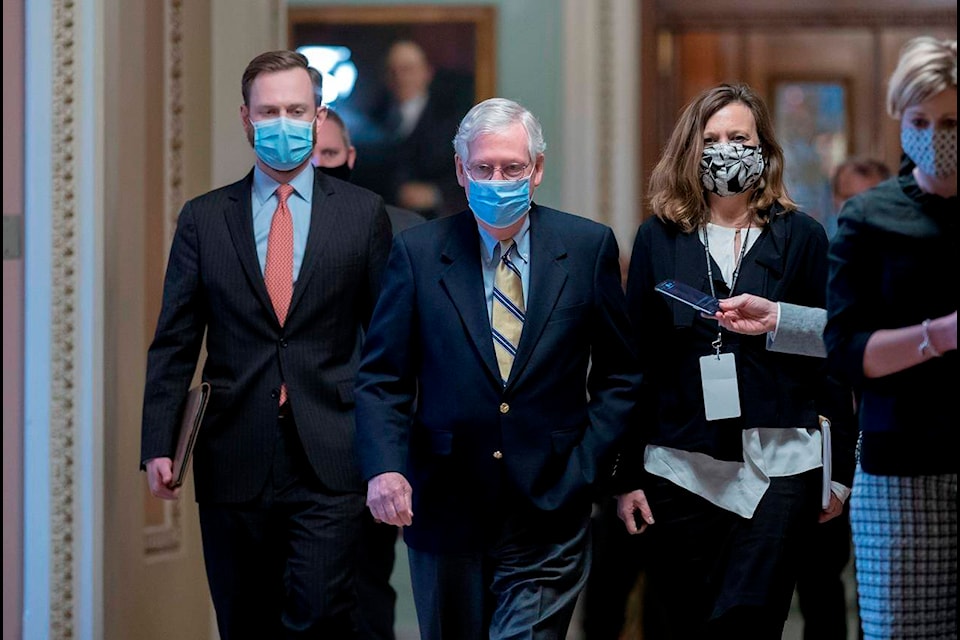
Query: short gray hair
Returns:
{"type": "Point", "coordinates": [493, 116]}
{"type": "Point", "coordinates": [926, 67]}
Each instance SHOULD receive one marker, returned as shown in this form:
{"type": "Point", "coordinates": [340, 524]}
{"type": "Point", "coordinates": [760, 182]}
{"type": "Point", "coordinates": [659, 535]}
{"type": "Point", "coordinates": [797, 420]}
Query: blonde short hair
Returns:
{"type": "Point", "coordinates": [926, 67]}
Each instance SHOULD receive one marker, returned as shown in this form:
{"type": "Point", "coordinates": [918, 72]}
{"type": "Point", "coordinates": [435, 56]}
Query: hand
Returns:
{"type": "Point", "coordinates": [834, 509]}
{"type": "Point", "coordinates": [159, 477]}
{"type": "Point", "coordinates": [747, 314]}
{"type": "Point", "coordinates": [629, 506]}
{"type": "Point", "coordinates": [390, 498]}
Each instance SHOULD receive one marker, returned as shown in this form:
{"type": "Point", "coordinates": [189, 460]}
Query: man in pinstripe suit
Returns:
{"type": "Point", "coordinates": [275, 473]}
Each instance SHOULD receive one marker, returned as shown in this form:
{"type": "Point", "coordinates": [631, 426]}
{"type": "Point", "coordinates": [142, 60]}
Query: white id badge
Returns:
{"type": "Point", "coordinates": [721, 395]}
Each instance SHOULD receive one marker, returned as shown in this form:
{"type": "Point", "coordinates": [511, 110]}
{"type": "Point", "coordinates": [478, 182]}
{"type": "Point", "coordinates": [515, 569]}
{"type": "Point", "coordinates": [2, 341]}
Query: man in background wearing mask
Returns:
{"type": "Point", "coordinates": [507, 324]}
{"type": "Point", "coordinates": [335, 156]}
{"type": "Point", "coordinates": [279, 272]}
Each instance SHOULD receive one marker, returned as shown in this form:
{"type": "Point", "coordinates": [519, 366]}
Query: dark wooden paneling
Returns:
{"type": "Point", "coordinates": [697, 44]}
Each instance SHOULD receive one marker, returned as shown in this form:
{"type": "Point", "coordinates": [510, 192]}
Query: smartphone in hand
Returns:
{"type": "Point", "coordinates": [686, 294]}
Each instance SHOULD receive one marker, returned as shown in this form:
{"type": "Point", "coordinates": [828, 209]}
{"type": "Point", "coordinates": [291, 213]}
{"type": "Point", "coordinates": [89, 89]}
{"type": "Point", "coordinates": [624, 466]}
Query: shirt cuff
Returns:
{"type": "Point", "coordinates": [840, 491]}
{"type": "Point", "coordinates": [772, 335]}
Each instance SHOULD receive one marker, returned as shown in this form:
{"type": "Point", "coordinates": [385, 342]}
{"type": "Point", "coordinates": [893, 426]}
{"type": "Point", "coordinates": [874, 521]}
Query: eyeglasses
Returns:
{"type": "Point", "coordinates": [513, 171]}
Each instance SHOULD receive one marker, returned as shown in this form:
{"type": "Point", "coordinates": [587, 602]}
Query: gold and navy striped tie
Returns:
{"type": "Point", "coordinates": [508, 309]}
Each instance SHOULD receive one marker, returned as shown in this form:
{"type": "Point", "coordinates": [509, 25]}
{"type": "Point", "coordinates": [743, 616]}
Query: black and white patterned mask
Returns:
{"type": "Point", "coordinates": [934, 151]}
{"type": "Point", "coordinates": [730, 168]}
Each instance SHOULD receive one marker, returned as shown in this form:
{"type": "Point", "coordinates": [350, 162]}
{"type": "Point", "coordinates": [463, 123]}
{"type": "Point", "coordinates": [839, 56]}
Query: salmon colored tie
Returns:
{"type": "Point", "coordinates": [278, 273]}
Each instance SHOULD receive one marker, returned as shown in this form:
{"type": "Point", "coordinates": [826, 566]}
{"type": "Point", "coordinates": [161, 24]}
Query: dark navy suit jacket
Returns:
{"type": "Point", "coordinates": [472, 445]}
{"type": "Point", "coordinates": [214, 287]}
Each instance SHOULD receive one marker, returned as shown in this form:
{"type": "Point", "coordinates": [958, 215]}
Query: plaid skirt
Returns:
{"type": "Point", "coordinates": [905, 550]}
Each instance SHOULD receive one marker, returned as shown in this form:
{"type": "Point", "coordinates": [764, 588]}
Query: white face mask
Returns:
{"type": "Point", "coordinates": [934, 151]}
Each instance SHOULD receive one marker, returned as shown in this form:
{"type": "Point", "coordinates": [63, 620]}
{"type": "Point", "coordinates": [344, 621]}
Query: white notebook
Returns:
{"type": "Point", "coordinates": [827, 461]}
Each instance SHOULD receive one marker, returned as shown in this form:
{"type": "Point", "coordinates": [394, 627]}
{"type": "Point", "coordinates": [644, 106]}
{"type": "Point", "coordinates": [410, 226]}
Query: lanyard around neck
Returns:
{"type": "Point", "coordinates": [733, 280]}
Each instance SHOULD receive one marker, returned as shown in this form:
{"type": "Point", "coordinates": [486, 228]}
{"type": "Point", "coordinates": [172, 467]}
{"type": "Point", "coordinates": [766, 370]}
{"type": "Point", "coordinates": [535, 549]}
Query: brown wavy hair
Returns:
{"type": "Point", "coordinates": [676, 194]}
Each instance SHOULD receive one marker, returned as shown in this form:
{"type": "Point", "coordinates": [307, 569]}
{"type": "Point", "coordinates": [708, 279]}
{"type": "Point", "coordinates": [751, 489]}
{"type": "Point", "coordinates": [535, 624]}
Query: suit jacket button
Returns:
{"type": "Point", "coordinates": [504, 407]}
{"type": "Point", "coordinates": [497, 455]}
{"type": "Point", "coordinates": [283, 343]}
{"type": "Point", "coordinates": [275, 393]}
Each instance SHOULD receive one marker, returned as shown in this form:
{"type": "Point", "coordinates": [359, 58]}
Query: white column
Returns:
{"type": "Point", "coordinates": [581, 112]}
{"type": "Point", "coordinates": [623, 146]}
{"type": "Point", "coordinates": [63, 341]}
{"type": "Point", "coordinates": [601, 72]}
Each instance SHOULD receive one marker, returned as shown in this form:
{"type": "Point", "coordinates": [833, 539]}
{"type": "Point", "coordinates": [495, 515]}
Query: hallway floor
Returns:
{"type": "Point", "coordinates": [407, 629]}
{"type": "Point", "coordinates": [793, 630]}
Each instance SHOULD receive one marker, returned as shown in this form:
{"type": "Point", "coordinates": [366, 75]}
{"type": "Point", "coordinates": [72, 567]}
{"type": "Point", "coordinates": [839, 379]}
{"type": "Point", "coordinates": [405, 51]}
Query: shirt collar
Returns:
{"type": "Point", "coordinates": [522, 238]}
{"type": "Point", "coordinates": [264, 186]}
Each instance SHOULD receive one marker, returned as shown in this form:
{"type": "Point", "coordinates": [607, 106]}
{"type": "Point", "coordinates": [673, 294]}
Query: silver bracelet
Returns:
{"type": "Point", "coordinates": [926, 347]}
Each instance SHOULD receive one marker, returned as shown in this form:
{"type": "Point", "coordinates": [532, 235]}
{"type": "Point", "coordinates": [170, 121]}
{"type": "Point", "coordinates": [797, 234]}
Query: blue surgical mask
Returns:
{"type": "Point", "coordinates": [281, 143]}
{"type": "Point", "coordinates": [499, 203]}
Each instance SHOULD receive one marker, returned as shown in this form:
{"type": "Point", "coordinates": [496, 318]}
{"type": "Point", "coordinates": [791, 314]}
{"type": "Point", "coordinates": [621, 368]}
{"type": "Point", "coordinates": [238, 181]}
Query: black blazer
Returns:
{"type": "Point", "coordinates": [473, 445]}
{"type": "Point", "coordinates": [214, 285]}
{"type": "Point", "coordinates": [788, 263]}
{"type": "Point", "coordinates": [891, 265]}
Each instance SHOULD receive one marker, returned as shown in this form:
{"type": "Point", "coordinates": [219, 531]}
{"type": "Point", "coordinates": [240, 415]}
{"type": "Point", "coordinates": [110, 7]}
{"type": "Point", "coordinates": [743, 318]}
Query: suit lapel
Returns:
{"type": "Point", "coordinates": [316, 239]}
{"type": "Point", "coordinates": [239, 219]}
{"type": "Point", "coordinates": [462, 280]}
{"type": "Point", "coordinates": [767, 253]}
{"type": "Point", "coordinates": [547, 279]}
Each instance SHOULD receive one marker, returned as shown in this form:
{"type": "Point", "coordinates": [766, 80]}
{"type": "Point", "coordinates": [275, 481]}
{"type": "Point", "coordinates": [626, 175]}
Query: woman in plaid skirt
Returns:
{"type": "Point", "coordinates": [892, 333]}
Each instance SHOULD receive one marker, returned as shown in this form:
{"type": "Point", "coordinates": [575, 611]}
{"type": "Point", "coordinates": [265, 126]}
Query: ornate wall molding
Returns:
{"type": "Point", "coordinates": [166, 539]}
{"type": "Point", "coordinates": [64, 330]}
{"type": "Point", "coordinates": [173, 114]}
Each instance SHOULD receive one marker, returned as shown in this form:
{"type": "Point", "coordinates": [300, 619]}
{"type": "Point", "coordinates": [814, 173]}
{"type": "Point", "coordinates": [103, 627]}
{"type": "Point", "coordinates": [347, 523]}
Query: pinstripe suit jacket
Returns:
{"type": "Point", "coordinates": [214, 288]}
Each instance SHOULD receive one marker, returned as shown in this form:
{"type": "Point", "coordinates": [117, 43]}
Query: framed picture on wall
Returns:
{"type": "Point", "coordinates": [812, 121]}
{"type": "Point", "coordinates": [370, 58]}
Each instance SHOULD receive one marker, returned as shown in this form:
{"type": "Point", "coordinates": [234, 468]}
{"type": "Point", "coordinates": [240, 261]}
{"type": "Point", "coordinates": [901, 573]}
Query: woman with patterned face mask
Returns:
{"type": "Point", "coordinates": [726, 472]}
{"type": "Point", "coordinates": [892, 333]}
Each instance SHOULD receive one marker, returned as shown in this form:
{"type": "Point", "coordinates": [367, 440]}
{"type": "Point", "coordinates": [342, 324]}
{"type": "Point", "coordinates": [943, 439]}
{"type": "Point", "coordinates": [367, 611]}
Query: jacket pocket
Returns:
{"type": "Point", "coordinates": [565, 441]}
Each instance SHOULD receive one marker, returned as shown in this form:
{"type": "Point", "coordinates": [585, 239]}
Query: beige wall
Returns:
{"type": "Point", "coordinates": [152, 560]}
